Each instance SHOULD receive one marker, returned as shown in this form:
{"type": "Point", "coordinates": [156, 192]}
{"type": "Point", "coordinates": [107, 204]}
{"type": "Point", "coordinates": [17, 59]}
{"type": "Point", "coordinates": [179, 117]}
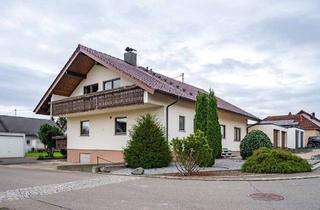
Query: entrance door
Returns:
{"type": "Point", "coordinates": [297, 139]}
{"type": "Point", "coordinates": [283, 140]}
{"type": "Point", "coordinates": [275, 138]}
{"type": "Point", "coordinates": [301, 139]}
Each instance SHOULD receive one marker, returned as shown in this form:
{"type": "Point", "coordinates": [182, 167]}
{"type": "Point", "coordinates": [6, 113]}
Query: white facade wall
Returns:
{"type": "Point", "coordinates": [102, 122]}
{"type": "Point", "coordinates": [99, 74]}
{"type": "Point", "coordinates": [230, 121]}
{"type": "Point", "coordinates": [268, 129]}
{"type": "Point", "coordinates": [102, 129]}
{"type": "Point", "coordinates": [34, 143]}
{"type": "Point", "coordinates": [290, 137]}
{"type": "Point", "coordinates": [180, 108]}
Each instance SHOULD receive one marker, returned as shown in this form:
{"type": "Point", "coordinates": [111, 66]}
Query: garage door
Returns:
{"type": "Point", "coordinates": [11, 146]}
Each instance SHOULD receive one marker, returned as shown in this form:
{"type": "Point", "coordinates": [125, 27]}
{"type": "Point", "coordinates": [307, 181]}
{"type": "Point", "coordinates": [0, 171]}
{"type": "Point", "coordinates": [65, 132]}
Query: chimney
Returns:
{"type": "Point", "coordinates": [130, 56]}
{"type": "Point", "coordinates": [290, 114]}
{"type": "Point", "coordinates": [313, 115]}
{"type": "Point", "coordinates": [301, 118]}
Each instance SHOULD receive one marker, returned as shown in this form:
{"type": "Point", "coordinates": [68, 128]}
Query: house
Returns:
{"type": "Point", "coordinates": [60, 142]}
{"type": "Point", "coordinates": [102, 96]}
{"type": "Point", "coordinates": [283, 133]}
{"type": "Point", "coordinates": [301, 126]}
{"type": "Point", "coordinates": [19, 135]}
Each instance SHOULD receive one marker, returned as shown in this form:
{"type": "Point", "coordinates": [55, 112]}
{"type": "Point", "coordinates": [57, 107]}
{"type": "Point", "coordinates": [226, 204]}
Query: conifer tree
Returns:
{"type": "Point", "coordinates": [213, 126]}
{"type": "Point", "coordinates": [201, 112]}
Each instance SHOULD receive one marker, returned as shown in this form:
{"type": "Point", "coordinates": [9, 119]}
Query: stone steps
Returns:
{"type": "Point", "coordinates": [227, 153]}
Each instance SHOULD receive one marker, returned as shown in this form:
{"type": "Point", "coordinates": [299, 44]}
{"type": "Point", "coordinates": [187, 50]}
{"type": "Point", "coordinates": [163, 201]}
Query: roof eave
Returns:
{"type": "Point", "coordinates": [247, 116]}
{"type": "Point", "coordinates": [78, 50]}
{"type": "Point", "coordinates": [56, 80]}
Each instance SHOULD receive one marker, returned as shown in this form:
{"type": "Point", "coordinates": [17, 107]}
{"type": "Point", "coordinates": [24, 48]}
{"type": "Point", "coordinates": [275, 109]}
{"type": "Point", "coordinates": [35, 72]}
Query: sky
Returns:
{"type": "Point", "coordinates": [262, 56]}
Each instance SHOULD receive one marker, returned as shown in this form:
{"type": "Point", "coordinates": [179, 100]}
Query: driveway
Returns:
{"type": "Point", "coordinates": [14, 161]}
{"type": "Point", "coordinates": [39, 189]}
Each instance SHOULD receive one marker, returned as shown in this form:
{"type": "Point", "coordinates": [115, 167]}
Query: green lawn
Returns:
{"type": "Point", "coordinates": [43, 154]}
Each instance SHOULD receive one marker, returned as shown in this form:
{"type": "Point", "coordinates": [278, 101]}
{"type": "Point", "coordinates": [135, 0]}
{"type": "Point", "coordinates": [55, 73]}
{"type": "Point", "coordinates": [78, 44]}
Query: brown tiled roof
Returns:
{"type": "Point", "coordinates": [310, 115]}
{"type": "Point", "coordinates": [193, 91]}
{"type": "Point", "coordinates": [304, 123]}
{"type": "Point", "coordinates": [143, 76]}
{"type": "Point", "coordinates": [151, 81]}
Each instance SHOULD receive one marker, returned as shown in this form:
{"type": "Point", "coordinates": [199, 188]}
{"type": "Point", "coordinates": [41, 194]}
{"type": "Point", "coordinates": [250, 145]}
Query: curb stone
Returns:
{"type": "Point", "coordinates": [239, 178]}
{"type": "Point", "coordinates": [226, 178]}
{"type": "Point", "coordinates": [315, 166]}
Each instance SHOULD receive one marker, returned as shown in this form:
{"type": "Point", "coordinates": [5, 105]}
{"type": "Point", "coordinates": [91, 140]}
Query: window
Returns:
{"type": "Point", "coordinates": [223, 131]}
{"type": "Point", "coordinates": [237, 134]}
{"type": "Point", "coordinates": [111, 84]}
{"type": "Point", "coordinates": [182, 122]}
{"type": "Point", "coordinates": [90, 88]}
{"type": "Point", "coordinates": [120, 125]}
{"type": "Point", "coordinates": [28, 142]}
{"type": "Point", "coordinates": [84, 128]}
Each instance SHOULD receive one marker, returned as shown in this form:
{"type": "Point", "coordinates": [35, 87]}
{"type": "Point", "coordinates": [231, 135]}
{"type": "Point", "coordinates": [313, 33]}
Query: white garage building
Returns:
{"type": "Point", "coordinates": [19, 135]}
{"type": "Point", "coordinates": [282, 133]}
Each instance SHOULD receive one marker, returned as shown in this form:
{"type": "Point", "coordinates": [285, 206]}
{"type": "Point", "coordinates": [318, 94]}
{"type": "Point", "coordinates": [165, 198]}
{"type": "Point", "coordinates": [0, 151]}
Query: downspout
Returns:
{"type": "Point", "coordinates": [167, 117]}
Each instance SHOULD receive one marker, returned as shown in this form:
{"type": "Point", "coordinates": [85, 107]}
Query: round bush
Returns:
{"type": "Point", "coordinates": [254, 140]}
{"type": "Point", "coordinates": [191, 152]}
{"type": "Point", "coordinates": [147, 147]}
{"type": "Point", "coordinates": [266, 160]}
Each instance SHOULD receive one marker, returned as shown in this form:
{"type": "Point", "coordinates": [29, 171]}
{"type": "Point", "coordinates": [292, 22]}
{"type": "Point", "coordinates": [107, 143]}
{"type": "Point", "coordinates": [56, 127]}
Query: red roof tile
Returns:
{"type": "Point", "coordinates": [304, 123]}
{"type": "Point", "coordinates": [153, 81]}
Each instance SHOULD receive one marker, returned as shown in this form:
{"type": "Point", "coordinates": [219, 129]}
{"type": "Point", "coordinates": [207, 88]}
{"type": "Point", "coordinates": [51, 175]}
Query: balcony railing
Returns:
{"type": "Point", "coordinates": [123, 96]}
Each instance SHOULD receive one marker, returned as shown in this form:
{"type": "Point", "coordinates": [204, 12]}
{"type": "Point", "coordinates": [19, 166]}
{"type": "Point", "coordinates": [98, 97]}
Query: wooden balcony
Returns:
{"type": "Point", "coordinates": [123, 96]}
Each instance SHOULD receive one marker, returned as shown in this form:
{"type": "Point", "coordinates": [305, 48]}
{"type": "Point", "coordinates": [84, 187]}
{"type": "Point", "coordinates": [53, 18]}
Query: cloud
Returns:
{"type": "Point", "coordinates": [264, 59]}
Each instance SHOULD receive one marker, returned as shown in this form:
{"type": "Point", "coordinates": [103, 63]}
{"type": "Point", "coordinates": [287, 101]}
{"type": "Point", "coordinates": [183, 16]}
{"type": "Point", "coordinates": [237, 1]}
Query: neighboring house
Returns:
{"type": "Point", "coordinates": [60, 142]}
{"type": "Point", "coordinates": [312, 117]}
{"type": "Point", "coordinates": [283, 133]}
{"type": "Point", "coordinates": [102, 96]}
{"type": "Point", "coordinates": [19, 135]}
{"type": "Point", "coordinates": [307, 123]}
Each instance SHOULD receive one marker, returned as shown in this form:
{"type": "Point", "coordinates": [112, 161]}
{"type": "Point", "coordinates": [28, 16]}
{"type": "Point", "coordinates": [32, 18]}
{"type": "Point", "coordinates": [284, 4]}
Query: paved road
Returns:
{"type": "Point", "coordinates": [36, 189]}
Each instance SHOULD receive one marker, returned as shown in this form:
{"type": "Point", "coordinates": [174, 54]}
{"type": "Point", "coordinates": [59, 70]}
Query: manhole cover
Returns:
{"type": "Point", "coordinates": [266, 197]}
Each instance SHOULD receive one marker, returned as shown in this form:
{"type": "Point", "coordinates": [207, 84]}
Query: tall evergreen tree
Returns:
{"type": "Point", "coordinates": [201, 112]}
{"type": "Point", "coordinates": [213, 126]}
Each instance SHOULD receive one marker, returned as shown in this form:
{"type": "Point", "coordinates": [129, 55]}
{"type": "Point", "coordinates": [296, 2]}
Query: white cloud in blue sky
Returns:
{"type": "Point", "coordinates": [261, 56]}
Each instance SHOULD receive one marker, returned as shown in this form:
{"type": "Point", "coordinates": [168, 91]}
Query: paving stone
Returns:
{"type": "Point", "coordinates": [31, 192]}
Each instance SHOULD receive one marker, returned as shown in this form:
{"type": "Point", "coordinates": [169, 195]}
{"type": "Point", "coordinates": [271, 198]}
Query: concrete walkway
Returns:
{"type": "Point", "coordinates": [221, 164]}
{"type": "Point", "coordinates": [15, 161]}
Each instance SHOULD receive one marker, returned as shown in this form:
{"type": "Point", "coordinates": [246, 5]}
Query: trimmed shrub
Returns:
{"type": "Point", "coordinates": [64, 152]}
{"type": "Point", "coordinates": [191, 152]}
{"type": "Point", "coordinates": [266, 160]}
{"type": "Point", "coordinates": [254, 140]}
{"type": "Point", "coordinates": [147, 147]}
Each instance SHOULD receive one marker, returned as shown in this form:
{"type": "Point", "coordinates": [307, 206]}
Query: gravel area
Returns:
{"type": "Point", "coordinates": [31, 192]}
{"type": "Point", "coordinates": [221, 164]}
{"type": "Point", "coordinates": [308, 154]}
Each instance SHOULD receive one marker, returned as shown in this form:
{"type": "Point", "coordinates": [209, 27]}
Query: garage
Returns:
{"type": "Point", "coordinates": [11, 145]}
